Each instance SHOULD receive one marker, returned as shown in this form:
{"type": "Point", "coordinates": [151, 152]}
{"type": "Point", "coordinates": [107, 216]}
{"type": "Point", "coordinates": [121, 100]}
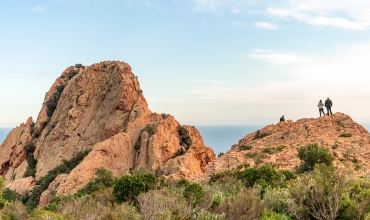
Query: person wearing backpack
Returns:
{"type": "Point", "coordinates": [321, 108]}
{"type": "Point", "coordinates": [328, 104]}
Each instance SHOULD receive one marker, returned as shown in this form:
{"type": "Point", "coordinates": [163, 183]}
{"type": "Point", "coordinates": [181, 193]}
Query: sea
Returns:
{"type": "Point", "coordinates": [219, 137]}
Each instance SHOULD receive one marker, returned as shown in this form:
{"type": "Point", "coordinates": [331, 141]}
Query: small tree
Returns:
{"type": "Point", "coordinates": [318, 194]}
{"type": "Point", "coordinates": [311, 155]}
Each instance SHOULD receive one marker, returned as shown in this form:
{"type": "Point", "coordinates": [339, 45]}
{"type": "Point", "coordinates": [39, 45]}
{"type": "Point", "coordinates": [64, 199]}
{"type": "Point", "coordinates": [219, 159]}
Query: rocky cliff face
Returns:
{"type": "Point", "coordinates": [277, 144]}
{"type": "Point", "coordinates": [101, 108]}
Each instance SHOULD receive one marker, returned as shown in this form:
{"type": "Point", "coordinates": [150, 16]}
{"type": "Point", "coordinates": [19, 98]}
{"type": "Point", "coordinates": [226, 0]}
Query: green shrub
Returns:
{"type": "Point", "coordinates": [313, 154]}
{"type": "Point", "coordinates": [52, 103]}
{"type": "Point", "coordinates": [79, 65]}
{"type": "Point", "coordinates": [10, 195]}
{"type": "Point", "coordinates": [104, 179]}
{"type": "Point", "coordinates": [31, 168]}
{"type": "Point", "coordinates": [269, 150]}
{"type": "Point", "coordinates": [264, 135]}
{"type": "Point", "coordinates": [335, 146]}
{"type": "Point", "coordinates": [243, 147]}
{"type": "Point", "coordinates": [252, 154]}
{"type": "Point", "coordinates": [245, 205]}
{"type": "Point", "coordinates": [128, 187]}
{"type": "Point", "coordinates": [264, 176]}
{"type": "Point", "coordinates": [72, 73]}
{"type": "Point", "coordinates": [220, 154]}
{"type": "Point", "coordinates": [183, 182]}
{"type": "Point", "coordinates": [184, 134]}
{"type": "Point", "coordinates": [280, 148]}
{"type": "Point", "coordinates": [32, 127]}
{"type": "Point", "coordinates": [271, 215]}
{"type": "Point", "coordinates": [37, 133]}
{"type": "Point", "coordinates": [340, 124]}
{"type": "Point", "coordinates": [259, 135]}
{"type": "Point", "coordinates": [346, 135]}
{"type": "Point", "coordinates": [193, 193]}
{"type": "Point", "coordinates": [148, 128]}
{"type": "Point", "coordinates": [348, 210]}
{"type": "Point", "coordinates": [319, 192]}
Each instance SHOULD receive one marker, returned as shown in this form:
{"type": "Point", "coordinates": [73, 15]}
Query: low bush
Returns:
{"type": "Point", "coordinates": [193, 193]}
{"type": "Point", "coordinates": [280, 148]}
{"type": "Point", "coordinates": [244, 147]}
{"type": "Point", "coordinates": [128, 187]}
{"type": "Point", "coordinates": [259, 135]}
{"type": "Point", "coordinates": [264, 176]}
{"type": "Point", "coordinates": [245, 205]}
{"type": "Point", "coordinates": [183, 183]}
{"type": "Point", "coordinates": [168, 203]}
{"type": "Point", "coordinates": [79, 65]}
{"type": "Point", "coordinates": [10, 195]}
{"type": "Point", "coordinates": [149, 129]}
{"type": "Point", "coordinates": [269, 150]}
{"type": "Point", "coordinates": [311, 155]}
{"type": "Point", "coordinates": [104, 179]}
{"type": "Point", "coordinates": [346, 135]}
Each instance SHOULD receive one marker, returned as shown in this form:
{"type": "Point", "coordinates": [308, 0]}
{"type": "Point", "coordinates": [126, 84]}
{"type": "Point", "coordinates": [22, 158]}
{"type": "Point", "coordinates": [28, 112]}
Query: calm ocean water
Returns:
{"type": "Point", "coordinates": [221, 137]}
{"type": "Point", "coordinates": [218, 137]}
{"type": "Point", "coordinates": [3, 133]}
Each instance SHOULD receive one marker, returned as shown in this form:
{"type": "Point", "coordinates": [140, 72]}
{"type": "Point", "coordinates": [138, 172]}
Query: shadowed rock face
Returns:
{"type": "Point", "coordinates": [277, 144]}
{"type": "Point", "coordinates": [102, 108]}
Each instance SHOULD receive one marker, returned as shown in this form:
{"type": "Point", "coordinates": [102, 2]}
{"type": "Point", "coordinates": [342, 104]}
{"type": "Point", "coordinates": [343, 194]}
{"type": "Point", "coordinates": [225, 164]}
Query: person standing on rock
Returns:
{"type": "Point", "coordinates": [321, 108]}
{"type": "Point", "coordinates": [282, 118]}
{"type": "Point", "coordinates": [328, 104]}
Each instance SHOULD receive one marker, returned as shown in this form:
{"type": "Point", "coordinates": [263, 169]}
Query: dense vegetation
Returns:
{"type": "Point", "coordinates": [31, 169]}
{"type": "Point", "coordinates": [33, 198]}
{"type": "Point", "coordinates": [323, 192]}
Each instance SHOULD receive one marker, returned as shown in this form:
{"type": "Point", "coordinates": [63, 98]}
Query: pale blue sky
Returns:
{"type": "Point", "coordinates": [204, 61]}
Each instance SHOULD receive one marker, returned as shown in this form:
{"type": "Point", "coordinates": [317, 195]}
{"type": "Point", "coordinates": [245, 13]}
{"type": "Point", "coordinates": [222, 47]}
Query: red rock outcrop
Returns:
{"type": "Point", "coordinates": [22, 186]}
{"type": "Point", "coordinates": [277, 144]}
{"type": "Point", "coordinates": [12, 154]}
{"type": "Point", "coordinates": [102, 108]}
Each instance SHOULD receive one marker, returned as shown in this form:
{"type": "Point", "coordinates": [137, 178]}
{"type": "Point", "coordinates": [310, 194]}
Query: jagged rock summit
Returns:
{"type": "Point", "coordinates": [99, 108]}
{"type": "Point", "coordinates": [277, 145]}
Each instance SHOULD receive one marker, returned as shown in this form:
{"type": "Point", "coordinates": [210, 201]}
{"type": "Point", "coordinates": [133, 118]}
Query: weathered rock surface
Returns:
{"type": "Point", "coordinates": [12, 154]}
{"type": "Point", "coordinates": [101, 108]}
{"type": "Point", "coordinates": [279, 146]}
{"type": "Point", "coordinates": [22, 186]}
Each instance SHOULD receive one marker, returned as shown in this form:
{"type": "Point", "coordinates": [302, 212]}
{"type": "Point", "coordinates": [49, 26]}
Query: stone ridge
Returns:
{"type": "Point", "coordinates": [277, 144]}
{"type": "Point", "coordinates": [100, 108]}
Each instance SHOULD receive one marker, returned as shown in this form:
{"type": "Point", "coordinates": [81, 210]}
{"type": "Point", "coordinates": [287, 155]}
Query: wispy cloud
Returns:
{"type": "Point", "coordinates": [37, 8]}
{"type": "Point", "coordinates": [343, 14]}
{"type": "Point", "coordinates": [278, 58]}
{"type": "Point", "coordinates": [319, 20]}
{"type": "Point", "coordinates": [266, 25]}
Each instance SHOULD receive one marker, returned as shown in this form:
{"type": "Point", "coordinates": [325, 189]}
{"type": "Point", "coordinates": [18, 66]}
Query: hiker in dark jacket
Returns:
{"type": "Point", "coordinates": [328, 104]}
{"type": "Point", "coordinates": [321, 108]}
{"type": "Point", "coordinates": [282, 118]}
